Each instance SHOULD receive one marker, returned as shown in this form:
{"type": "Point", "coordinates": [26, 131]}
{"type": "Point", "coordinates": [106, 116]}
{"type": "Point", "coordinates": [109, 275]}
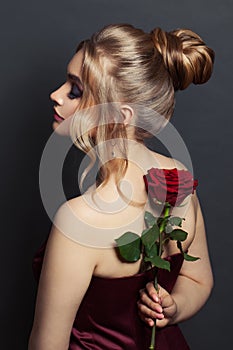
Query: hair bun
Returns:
{"type": "Point", "coordinates": [185, 55]}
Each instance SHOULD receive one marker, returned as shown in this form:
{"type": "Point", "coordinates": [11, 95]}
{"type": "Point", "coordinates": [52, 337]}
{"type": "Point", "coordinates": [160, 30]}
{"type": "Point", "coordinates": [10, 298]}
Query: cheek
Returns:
{"type": "Point", "coordinates": [71, 107]}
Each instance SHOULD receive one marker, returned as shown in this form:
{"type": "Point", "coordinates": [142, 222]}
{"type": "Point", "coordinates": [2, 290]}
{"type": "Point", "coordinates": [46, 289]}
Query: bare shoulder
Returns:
{"type": "Point", "coordinates": [168, 162]}
{"type": "Point", "coordinates": [78, 207]}
{"type": "Point", "coordinates": [69, 227]}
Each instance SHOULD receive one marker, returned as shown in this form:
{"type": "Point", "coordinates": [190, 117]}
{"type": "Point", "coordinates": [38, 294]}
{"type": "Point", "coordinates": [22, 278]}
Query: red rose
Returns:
{"type": "Point", "coordinates": [169, 185]}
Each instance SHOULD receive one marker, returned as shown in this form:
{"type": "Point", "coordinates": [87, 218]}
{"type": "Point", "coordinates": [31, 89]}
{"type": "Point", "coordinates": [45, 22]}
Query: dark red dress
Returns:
{"type": "Point", "coordinates": [108, 319]}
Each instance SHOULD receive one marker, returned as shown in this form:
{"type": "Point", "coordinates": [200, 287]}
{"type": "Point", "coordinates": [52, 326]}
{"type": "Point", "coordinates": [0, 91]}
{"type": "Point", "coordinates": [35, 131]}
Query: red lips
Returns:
{"type": "Point", "coordinates": [57, 117]}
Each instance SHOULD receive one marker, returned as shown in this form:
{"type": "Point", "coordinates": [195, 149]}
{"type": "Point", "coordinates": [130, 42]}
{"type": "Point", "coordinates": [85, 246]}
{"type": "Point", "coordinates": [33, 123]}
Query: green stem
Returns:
{"type": "Point", "coordinates": [161, 229]}
{"type": "Point", "coordinates": [152, 344]}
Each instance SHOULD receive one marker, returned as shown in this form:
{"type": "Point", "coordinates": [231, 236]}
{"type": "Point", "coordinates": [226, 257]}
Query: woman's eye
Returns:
{"type": "Point", "coordinates": [75, 92]}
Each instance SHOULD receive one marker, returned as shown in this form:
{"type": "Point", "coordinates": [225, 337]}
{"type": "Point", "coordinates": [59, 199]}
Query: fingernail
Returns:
{"type": "Point", "coordinates": [160, 316]}
{"type": "Point", "coordinates": [159, 309]}
{"type": "Point", "coordinates": [156, 298]}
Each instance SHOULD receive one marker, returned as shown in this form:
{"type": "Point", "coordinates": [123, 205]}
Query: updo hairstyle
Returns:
{"type": "Point", "coordinates": [124, 64]}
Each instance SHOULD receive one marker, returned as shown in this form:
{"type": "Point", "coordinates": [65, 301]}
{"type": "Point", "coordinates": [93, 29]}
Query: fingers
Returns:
{"type": "Point", "coordinates": [148, 309]}
{"type": "Point", "coordinates": [152, 306]}
{"type": "Point", "coordinates": [164, 298]}
{"type": "Point", "coordinates": [149, 312]}
{"type": "Point", "coordinates": [155, 307]}
{"type": "Point", "coordinates": [147, 320]}
{"type": "Point", "coordinates": [150, 322]}
{"type": "Point", "coordinates": [152, 291]}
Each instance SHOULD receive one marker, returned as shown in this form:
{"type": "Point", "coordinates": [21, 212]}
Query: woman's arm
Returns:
{"type": "Point", "coordinates": [192, 288]}
{"type": "Point", "coordinates": [66, 273]}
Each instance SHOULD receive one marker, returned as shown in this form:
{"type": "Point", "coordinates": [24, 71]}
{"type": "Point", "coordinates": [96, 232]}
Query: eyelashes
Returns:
{"type": "Point", "coordinates": [75, 92]}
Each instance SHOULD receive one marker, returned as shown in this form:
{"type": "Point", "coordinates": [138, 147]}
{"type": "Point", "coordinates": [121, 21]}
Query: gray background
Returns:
{"type": "Point", "coordinates": [37, 41]}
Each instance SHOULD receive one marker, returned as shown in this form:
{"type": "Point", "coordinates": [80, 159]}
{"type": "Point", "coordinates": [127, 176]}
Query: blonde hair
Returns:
{"type": "Point", "coordinates": [124, 64]}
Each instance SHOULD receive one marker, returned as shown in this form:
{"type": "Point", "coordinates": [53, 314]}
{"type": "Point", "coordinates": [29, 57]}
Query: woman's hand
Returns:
{"type": "Point", "coordinates": [194, 282]}
{"type": "Point", "coordinates": [156, 305]}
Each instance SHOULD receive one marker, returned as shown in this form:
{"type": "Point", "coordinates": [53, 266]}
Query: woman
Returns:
{"type": "Point", "coordinates": [87, 296]}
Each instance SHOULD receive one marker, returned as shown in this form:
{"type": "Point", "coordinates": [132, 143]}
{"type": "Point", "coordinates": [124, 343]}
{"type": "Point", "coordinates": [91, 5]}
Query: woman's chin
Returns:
{"type": "Point", "coordinates": [61, 128]}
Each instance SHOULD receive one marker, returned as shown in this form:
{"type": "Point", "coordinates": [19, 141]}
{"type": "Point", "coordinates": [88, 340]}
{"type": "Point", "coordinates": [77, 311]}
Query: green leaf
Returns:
{"type": "Point", "coordinates": [179, 245]}
{"type": "Point", "coordinates": [159, 262]}
{"type": "Point", "coordinates": [185, 255]}
{"type": "Point", "coordinates": [153, 251]}
{"type": "Point", "coordinates": [129, 245]}
{"type": "Point", "coordinates": [189, 257]}
{"type": "Point", "coordinates": [168, 228]}
{"type": "Point", "coordinates": [178, 235]}
{"type": "Point", "coordinates": [150, 235]}
{"type": "Point", "coordinates": [175, 221]}
{"type": "Point", "coordinates": [149, 219]}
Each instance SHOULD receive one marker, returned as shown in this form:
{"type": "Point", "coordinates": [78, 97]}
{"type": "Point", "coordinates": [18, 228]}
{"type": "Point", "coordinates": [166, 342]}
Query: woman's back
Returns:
{"type": "Point", "coordinates": [98, 217]}
{"type": "Point", "coordinates": [108, 215]}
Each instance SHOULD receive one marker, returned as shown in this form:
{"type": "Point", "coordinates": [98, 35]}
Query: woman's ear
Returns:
{"type": "Point", "coordinates": [128, 114]}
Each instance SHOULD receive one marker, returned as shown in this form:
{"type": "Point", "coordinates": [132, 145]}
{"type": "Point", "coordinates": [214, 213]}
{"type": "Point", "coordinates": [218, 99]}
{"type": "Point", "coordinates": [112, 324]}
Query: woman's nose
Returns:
{"type": "Point", "coordinates": [56, 96]}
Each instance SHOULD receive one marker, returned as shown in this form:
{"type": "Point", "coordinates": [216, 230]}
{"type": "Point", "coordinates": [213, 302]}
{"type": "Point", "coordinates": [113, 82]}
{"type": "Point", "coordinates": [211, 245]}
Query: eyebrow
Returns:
{"type": "Point", "coordinates": [74, 78]}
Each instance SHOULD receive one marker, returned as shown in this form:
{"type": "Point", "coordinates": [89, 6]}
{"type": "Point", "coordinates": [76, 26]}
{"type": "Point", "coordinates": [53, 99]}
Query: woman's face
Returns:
{"type": "Point", "coordinates": [67, 97]}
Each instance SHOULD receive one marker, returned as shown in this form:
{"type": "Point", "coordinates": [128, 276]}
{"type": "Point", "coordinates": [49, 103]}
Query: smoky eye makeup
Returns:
{"type": "Point", "coordinates": [76, 86]}
{"type": "Point", "coordinates": [75, 92]}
